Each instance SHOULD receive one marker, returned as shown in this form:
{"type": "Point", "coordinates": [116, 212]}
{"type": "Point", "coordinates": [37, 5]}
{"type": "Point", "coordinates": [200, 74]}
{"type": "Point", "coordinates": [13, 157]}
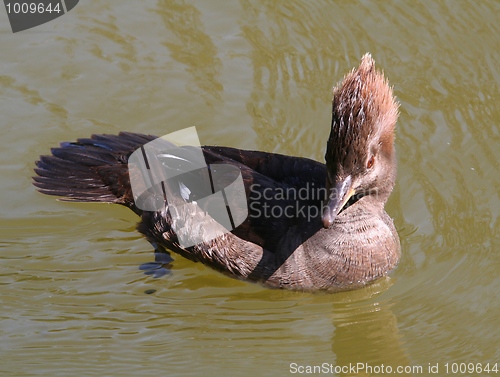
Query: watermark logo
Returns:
{"type": "Point", "coordinates": [204, 201]}
{"type": "Point", "coordinates": [27, 14]}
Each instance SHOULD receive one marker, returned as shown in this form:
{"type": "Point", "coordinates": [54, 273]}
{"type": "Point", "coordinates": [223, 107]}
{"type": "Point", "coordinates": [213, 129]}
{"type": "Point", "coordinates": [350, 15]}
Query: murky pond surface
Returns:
{"type": "Point", "coordinates": [255, 75]}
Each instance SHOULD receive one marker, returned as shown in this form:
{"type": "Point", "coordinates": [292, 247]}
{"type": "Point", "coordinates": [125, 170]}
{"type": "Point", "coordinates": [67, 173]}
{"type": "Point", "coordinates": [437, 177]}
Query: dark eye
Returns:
{"type": "Point", "coordinates": [370, 162]}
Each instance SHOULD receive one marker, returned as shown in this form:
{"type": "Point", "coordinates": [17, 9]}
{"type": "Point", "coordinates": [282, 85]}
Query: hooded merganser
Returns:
{"type": "Point", "coordinates": [336, 237]}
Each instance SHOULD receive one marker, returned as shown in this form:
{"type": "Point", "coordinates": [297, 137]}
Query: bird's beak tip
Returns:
{"type": "Point", "coordinates": [340, 194]}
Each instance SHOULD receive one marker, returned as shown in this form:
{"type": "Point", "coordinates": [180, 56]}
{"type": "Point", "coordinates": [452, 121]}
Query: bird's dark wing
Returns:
{"type": "Point", "coordinates": [281, 191]}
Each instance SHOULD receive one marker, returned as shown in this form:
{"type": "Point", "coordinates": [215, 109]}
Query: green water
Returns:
{"type": "Point", "coordinates": [255, 75]}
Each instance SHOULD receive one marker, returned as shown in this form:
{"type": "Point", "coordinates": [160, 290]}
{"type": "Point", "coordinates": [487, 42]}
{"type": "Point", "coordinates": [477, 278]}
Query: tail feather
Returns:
{"type": "Point", "coordinates": [90, 170]}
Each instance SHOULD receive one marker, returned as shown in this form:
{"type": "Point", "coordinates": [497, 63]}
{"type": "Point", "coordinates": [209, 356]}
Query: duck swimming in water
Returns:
{"type": "Point", "coordinates": [337, 237]}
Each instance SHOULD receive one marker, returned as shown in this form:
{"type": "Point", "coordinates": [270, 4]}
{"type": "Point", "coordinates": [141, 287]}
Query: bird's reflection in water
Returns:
{"type": "Point", "coordinates": [362, 317]}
